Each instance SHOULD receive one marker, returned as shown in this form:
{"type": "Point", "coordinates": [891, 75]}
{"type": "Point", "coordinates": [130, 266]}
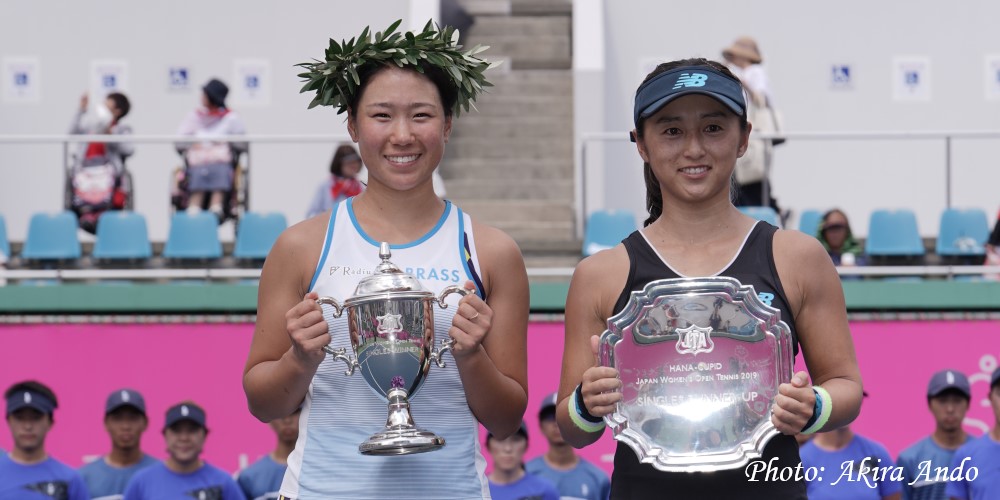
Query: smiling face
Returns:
{"type": "Point", "coordinates": [185, 440]}
{"type": "Point", "coordinates": [692, 145]}
{"type": "Point", "coordinates": [401, 129]}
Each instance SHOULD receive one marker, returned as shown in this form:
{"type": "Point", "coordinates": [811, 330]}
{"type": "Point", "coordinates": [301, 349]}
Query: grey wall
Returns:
{"type": "Point", "coordinates": [150, 36]}
{"type": "Point", "coordinates": [800, 41]}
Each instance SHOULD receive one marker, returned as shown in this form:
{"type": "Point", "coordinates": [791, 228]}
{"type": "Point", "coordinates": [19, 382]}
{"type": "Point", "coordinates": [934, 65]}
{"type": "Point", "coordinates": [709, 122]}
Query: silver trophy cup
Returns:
{"type": "Point", "coordinates": [391, 323]}
{"type": "Point", "coordinates": [700, 362]}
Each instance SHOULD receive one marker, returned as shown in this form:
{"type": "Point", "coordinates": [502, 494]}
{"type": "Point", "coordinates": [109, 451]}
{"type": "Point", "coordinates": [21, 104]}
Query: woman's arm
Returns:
{"type": "Point", "coordinates": [290, 332]}
{"type": "Point", "coordinates": [491, 349]}
{"type": "Point", "coordinates": [816, 297]}
{"type": "Point", "coordinates": [124, 149]}
{"type": "Point", "coordinates": [597, 282]}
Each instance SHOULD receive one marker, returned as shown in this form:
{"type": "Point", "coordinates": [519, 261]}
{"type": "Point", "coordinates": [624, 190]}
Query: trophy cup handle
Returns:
{"type": "Point", "coordinates": [332, 302]}
{"type": "Point", "coordinates": [450, 290]}
{"type": "Point", "coordinates": [437, 355]}
{"type": "Point", "coordinates": [341, 354]}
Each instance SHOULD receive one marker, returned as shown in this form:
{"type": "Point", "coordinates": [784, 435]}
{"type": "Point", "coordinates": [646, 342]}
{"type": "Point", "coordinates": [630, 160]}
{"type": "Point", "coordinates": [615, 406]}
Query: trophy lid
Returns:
{"type": "Point", "coordinates": [387, 278]}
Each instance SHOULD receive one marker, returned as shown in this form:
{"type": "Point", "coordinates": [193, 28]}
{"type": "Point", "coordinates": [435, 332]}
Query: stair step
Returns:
{"type": "Point", "coordinates": [484, 147]}
{"type": "Point", "coordinates": [517, 128]}
{"type": "Point", "coordinates": [546, 51]}
{"type": "Point", "coordinates": [531, 212]}
{"type": "Point", "coordinates": [523, 26]}
{"type": "Point", "coordinates": [540, 170]}
{"type": "Point", "coordinates": [541, 7]}
{"type": "Point", "coordinates": [503, 105]}
{"type": "Point", "coordinates": [524, 188]}
{"type": "Point", "coordinates": [479, 8]}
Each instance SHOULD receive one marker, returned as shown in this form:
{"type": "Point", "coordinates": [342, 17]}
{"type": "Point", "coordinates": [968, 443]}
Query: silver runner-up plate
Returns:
{"type": "Point", "coordinates": [700, 360]}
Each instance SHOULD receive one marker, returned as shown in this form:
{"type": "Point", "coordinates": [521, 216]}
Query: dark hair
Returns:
{"type": "Point", "coordinates": [654, 198]}
{"type": "Point", "coordinates": [121, 102]}
{"type": "Point", "coordinates": [949, 392]}
{"type": "Point", "coordinates": [337, 164]}
{"type": "Point", "coordinates": [34, 386]}
{"type": "Point", "coordinates": [447, 90]}
{"type": "Point", "coordinates": [850, 244]}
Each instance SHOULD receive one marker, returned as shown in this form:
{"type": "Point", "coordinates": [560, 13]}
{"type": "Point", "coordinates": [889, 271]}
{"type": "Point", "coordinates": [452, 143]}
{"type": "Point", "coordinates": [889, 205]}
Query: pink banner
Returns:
{"type": "Point", "coordinates": [169, 363]}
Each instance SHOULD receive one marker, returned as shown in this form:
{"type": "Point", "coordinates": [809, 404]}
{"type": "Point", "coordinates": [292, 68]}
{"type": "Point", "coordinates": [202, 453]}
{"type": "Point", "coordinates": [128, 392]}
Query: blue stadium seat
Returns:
{"type": "Point", "coordinates": [52, 237]}
{"type": "Point", "coordinates": [122, 235]}
{"type": "Point", "coordinates": [607, 228]}
{"type": "Point", "coordinates": [4, 243]}
{"type": "Point", "coordinates": [257, 233]}
{"type": "Point", "coordinates": [766, 214]}
{"type": "Point", "coordinates": [193, 236]}
{"type": "Point", "coordinates": [893, 233]}
{"type": "Point", "coordinates": [809, 222]}
{"type": "Point", "coordinates": [962, 232]}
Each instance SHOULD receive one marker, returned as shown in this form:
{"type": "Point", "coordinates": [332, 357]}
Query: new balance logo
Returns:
{"type": "Point", "coordinates": [691, 80]}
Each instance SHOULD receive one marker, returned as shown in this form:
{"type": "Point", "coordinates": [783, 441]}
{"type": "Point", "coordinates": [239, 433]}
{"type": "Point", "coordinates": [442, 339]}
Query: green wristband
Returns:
{"type": "Point", "coordinates": [824, 403]}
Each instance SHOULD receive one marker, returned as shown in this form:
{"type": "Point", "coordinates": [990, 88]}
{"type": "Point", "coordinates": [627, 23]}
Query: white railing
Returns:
{"type": "Point", "coordinates": [213, 274]}
{"type": "Point", "coordinates": [946, 136]}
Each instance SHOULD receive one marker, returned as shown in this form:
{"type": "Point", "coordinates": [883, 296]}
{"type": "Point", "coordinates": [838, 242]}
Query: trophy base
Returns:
{"type": "Point", "coordinates": [405, 441]}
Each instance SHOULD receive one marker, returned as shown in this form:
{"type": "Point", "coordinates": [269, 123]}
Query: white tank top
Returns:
{"type": "Point", "coordinates": [340, 411]}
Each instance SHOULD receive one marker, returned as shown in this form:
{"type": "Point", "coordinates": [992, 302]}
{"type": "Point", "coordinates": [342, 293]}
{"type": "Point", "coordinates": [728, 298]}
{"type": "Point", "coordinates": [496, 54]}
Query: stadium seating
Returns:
{"type": "Point", "coordinates": [4, 243]}
{"type": "Point", "coordinates": [766, 214]}
{"type": "Point", "coordinates": [963, 232]}
{"type": "Point", "coordinates": [607, 228]}
{"type": "Point", "coordinates": [257, 233]}
{"type": "Point", "coordinates": [809, 221]}
{"type": "Point", "coordinates": [193, 237]}
{"type": "Point", "coordinates": [893, 233]}
{"type": "Point", "coordinates": [122, 235]}
{"type": "Point", "coordinates": [52, 237]}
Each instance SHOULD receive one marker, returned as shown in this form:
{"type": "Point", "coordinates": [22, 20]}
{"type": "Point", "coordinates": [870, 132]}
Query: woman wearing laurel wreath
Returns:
{"type": "Point", "coordinates": [400, 93]}
{"type": "Point", "coordinates": [690, 127]}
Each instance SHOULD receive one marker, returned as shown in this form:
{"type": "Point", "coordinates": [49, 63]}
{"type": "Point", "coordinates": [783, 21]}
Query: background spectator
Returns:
{"type": "Point", "coordinates": [183, 474]}
{"type": "Point", "coordinates": [948, 396]}
{"type": "Point", "coordinates": [210, 164]}
{"type": "Point", "coordinates": [28, 472]}
{"type": "Point", "coordinates": [573, 476]}
{"type": "Point", "coordinates": [508, 479]}
{"type": "Point", "coordinates": [343, 182]}
{"type": "Point", "coordinates": [983, 454]}
{"type": "Point", "coordinates": [125, 420]}
{"type": "Point", "coordinates": [853, 467]}
{"type": "Point", "coordinates": [262, 480]}
{"type": "Point", "coordinates": [836, 236]}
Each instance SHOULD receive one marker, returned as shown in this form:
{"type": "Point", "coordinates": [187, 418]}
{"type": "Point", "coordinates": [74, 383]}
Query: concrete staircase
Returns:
{"type": "Point", "coordinates": [511, 163]}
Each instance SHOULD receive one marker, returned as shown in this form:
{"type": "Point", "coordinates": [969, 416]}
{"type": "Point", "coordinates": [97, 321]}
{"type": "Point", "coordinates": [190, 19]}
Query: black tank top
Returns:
{"type": "Point", "coordinates": [754, 265]}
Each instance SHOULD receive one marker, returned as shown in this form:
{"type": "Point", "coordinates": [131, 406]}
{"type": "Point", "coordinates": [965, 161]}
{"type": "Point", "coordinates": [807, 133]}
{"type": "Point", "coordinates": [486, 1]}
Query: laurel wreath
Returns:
{"type": "Point", "coordinates": [336, 79]}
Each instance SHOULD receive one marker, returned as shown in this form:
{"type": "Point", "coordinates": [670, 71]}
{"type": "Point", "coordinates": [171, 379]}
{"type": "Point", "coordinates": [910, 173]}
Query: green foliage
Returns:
{"type": "Point", "coordinates": [335, 79]}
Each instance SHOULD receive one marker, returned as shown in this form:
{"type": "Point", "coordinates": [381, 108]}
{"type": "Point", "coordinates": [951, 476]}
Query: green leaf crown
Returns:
{"type": "Point", "coordinates": [336, 79]}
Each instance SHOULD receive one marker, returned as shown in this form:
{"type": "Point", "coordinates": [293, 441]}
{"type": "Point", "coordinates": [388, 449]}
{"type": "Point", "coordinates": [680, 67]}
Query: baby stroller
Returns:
{"type": "Point", "coordinates": [95, 185]}
{"type": "Point", "coordinates": [235, 201]}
